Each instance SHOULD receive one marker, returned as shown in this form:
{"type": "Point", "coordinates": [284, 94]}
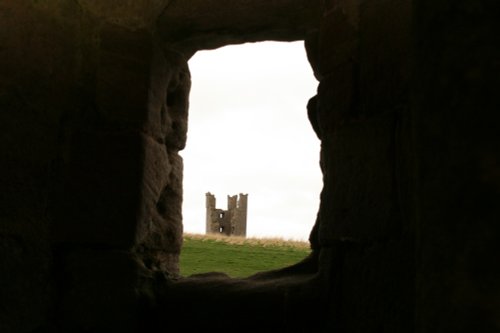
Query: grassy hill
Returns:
{"type": "Point", "coordinates": [238, 256]}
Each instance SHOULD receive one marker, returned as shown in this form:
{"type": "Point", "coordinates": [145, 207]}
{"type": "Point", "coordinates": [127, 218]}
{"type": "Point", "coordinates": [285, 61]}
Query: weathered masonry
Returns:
{"type": "Point", "coordinates": [230, 222]}
{"type": "Point", "coordinates": [94, 99]}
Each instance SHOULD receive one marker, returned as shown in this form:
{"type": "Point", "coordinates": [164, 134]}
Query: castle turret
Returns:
{"type": "Point", "coordinates": [240, 216]}
{"type": "Point", "coordinates": [210, 208]}
{"type": "Point", "coordinates": [232, 221]}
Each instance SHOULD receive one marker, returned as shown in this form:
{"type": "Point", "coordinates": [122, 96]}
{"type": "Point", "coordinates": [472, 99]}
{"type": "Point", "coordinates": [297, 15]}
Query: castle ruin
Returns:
{"type": "Point", "coordinates": [230, 222]}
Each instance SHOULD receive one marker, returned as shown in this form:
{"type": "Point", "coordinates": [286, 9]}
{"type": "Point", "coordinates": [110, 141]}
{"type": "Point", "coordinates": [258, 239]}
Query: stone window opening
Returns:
{"type": "Point", "coordinates": [232, 141]}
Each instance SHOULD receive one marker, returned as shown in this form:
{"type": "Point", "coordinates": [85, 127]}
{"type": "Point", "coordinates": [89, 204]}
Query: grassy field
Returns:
{"type": "Point", "coordinates": [238, 256]}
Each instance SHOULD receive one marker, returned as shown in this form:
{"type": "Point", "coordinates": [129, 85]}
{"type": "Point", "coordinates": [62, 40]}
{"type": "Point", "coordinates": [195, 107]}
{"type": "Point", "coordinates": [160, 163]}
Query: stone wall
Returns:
{"type": "Point", "coordinates": [456, 126]}
{"type": "Point", "coordinates": [361, 56]}
{"type": "Point", "coordinates": [93, 113]}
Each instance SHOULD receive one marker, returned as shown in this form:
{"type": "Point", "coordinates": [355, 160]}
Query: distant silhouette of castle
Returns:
{"type": "Point", "coordinates": [231, 222]}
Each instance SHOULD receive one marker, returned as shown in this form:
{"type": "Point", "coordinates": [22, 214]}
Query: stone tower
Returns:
{"type": "Point", "coordinates": [231, 222]}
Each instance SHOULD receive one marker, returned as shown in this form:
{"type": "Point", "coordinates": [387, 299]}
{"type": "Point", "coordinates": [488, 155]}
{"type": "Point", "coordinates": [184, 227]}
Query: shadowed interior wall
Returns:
{"type": "Point", "coordinates": [456, 126]}
{"type": "Point", "coordinates": [361, 114]}
{"type": "Point", "coordinates": [93, 113]}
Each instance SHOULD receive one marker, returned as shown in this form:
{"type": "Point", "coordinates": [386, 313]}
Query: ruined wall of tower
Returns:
{"type": "Point", "coordinates": [239, 221]}
{"type": "Point", "coordinates": [210, 208]}
{"type": "Point", "coordinates": [232, 202]}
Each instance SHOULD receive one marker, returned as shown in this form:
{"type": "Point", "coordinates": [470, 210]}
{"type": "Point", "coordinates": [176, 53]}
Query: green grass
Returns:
{"type": "Point", "coordinates": [237, 256]}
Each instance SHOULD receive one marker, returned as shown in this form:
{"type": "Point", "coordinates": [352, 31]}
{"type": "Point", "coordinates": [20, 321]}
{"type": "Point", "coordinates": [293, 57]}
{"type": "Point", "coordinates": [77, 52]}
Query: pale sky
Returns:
{"type": "Point", "coordinates": [249, 133]}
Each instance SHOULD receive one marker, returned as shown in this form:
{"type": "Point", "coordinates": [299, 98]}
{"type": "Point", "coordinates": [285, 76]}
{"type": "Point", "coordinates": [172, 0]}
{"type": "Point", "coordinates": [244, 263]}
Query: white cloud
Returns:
{"type": "Point", "coordinates": [249, 133]}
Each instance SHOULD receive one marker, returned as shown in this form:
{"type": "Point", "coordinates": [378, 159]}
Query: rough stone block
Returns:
{"type": "Point", "coordinates": [220, 23]}
{"type": "Point", "coordinates": [311, 43]}
{"type": "Point", "coordinates": [25, 280]}
{"type": "Point", "coordinates": [101, 197]}
{"type": "Point", "coordinates": [133, 14]}
{"type": "Point", "coordinates": [159, 229]}
{"type": "Point", "coordinates": [338, 42]}
{"type": "Point", "coordinates": [156, 120]}
{"type": "Point", "coordinates": [358, 201]}
{"type": "Point", "coordinates": [336, 100]}
{"type": "Point", "coordinates": [124, 70]}
{"type": "Point", "coordinates": [99, 291]}
{"type": "Point", "coordinates": [384, 54]}
{"type": "Point", "coordinates": [374, 282]}
{"type": "Point", "coordinates": [175, 114]}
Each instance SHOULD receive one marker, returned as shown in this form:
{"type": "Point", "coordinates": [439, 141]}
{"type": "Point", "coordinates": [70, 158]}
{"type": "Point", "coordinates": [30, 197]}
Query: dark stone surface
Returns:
{"type": "Point", "coordinates": [189, 26]}
{"type": "Point", "coordinates": [456, 114]}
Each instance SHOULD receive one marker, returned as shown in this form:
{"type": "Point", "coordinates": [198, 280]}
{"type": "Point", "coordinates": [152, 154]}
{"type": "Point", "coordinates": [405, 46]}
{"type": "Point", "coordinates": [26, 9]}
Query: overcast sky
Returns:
{"type": "Point", "coordinates": [249, 133]}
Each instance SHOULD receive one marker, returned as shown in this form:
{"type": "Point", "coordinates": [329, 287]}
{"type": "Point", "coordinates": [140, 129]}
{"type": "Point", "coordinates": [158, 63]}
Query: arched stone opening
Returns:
{"type": "Point", "coordinates": [249, 133]}
{"type": "Point", "coordinates": [188, 29]}
{"type": "Point", "coordinates": [134, 226]}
